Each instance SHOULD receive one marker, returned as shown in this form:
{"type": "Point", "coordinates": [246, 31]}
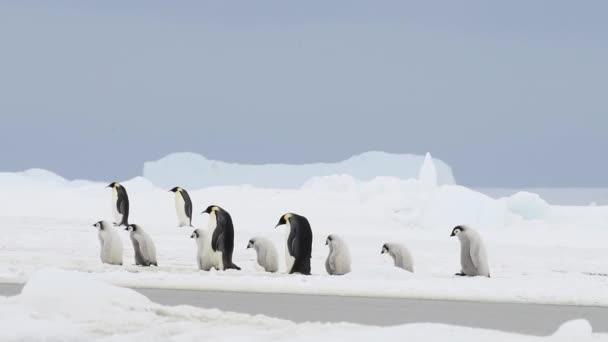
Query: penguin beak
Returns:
{"type": "Point", "coordinates": [326, 243]}
{"type": "Point", "coordinates": [452, 234]}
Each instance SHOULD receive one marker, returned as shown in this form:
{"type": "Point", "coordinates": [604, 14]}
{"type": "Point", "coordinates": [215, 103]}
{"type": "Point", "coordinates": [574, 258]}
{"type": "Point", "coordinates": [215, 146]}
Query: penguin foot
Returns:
{"type": "Point", "coordinates": [460, 274]}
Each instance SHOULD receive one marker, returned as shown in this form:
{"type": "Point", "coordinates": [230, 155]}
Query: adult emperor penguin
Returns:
{"type": "Point", "coordinates": [145, 252]}
{"type": "Point", "coordinates": [204, 254]}
{"type": "Point", "coordinates": [111, 245]}
{"type": "Point", "coordinates": [473, 257]}
{"type": "Point", "coordinates": [298, 249]}
{"type": "Point", "coordinates": [221, 231]}
{"type": "Point", "coordinates": [338, 259]}
{"type": "Point", "coordinates": [400, 254]}
{"type": "Point", "coordinates": [183, 206]}
{"type": "Point", "coordinates": [268, 257]}
{"type": "Point", "coordinates": [120, 204]}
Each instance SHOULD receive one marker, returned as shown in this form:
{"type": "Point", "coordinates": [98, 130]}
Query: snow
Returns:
{"type": "Point", "coordinates": [193, 171]}
{"type": "Point", "coordinates": [95, 310]}
{"type": "Point", "coordinates": [538, 253]}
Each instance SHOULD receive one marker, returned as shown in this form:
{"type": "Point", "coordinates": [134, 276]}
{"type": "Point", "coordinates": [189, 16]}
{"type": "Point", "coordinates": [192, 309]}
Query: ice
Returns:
{"type": "Point", "coordinates": [528, 205]}
{"type": "Point", "coordinates": [194, 171]}
{"type": "Point", "coordinates": [428, 172]}
{"type": "Point", "coordinates": [59, 305]}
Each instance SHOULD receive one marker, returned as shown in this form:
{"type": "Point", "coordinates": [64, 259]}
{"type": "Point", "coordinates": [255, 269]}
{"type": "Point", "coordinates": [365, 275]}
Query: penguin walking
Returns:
{"type": "Point", "coordinates": [338, 259]}
{"type": "Point", "coordinates": [298, 249]}
{"type": "Point", "coordinates": [400, 254]}
{"type": "Point", "coordinates": [111, 245]}
{"type": "Point", "coordinates": [120, 204]}
{"type": "Point", "coordinates": [145, 251]}
{"type": "Point", "coordinates": [204, 254]}
{"type": "Point", "coordinates": [183, 206]}
{"type": "Point", "coordinates": [473, 257]}
{"type": "Point", "coordinates": [221, 231]}
{"type": "Point", "coordinates": [267, 256]}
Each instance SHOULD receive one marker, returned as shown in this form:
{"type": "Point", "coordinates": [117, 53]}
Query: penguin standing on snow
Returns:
{"type": "Point", "coordinates": [400, 254]}
{"type": "Point", "coordinates": [120, 204]}
{"type": "Point", "coordinates": [267, 255]}
{"type": "Point", "coordinates": [298, 249]}
{"type": "Point", "coordinates": [473, 257]}
{"type": "Point", "coordinates": [183, 207]}
{"type": "Point", "coordinates": [221, 231]}
{"type": "Point", "coordinates": [145, 251]}
{"type": "Point", "coordinates": [111, 245]}
{"type": "Point", "coordinates": [338, 260]}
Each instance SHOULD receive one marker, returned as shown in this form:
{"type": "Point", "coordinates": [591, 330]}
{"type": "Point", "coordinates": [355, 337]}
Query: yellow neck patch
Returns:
{"type": "Point", "coordinates": [287, 217]}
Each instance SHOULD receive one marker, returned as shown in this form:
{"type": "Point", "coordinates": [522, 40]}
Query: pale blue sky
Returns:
{"type": "Point", "coordinates": [511, 93]}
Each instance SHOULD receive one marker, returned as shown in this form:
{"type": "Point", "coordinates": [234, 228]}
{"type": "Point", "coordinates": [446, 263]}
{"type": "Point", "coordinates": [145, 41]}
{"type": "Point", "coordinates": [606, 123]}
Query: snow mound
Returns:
{"type": "Point", "coordinates": [575, 329]}
{"type": "Point", "coordinates": [194, 171]}
{"type": "Point", "coordinates": [528, 205]}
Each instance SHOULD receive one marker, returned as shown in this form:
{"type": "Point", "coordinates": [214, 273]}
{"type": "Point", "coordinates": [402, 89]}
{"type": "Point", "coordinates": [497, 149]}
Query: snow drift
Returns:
{"type": "Point", "coordinates": [59, 305]}
{"type": "Point", "coordinates": [194, 171]}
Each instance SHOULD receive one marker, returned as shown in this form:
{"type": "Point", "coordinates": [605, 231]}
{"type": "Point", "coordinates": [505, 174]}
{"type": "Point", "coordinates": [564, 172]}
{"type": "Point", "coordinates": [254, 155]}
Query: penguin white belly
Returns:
{"type": "Point", "coordinates": [289, 260]}
{"type": "Point", "coordinates": [214, 257]}
{"type": "Point", "coordinates": [116, 250]}
{"type": "Point", "coordinates": [180, 208]}
{"type": "Point", "coordinates": [117, 215]}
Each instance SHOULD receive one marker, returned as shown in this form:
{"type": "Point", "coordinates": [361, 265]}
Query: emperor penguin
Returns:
{"type": "Point", "coordinates": [473, 257]}
{"type": "Point", "coordinates": [183, 206]}
{"type": "Point", "coordinates": [111, 245]}
{"type": "Point", "coordinates": [221, 231]}
{"type": "Point", "coordinates": [298, 249]}
{"type": "Point", "coordinates": [120, 204]}
{"type": "Point", "coordinates": [400, 254]}
{"type": "Point", "coordinates": [204, 257]}
{"type": "Point", "coordinates": [145, 252]}
{"type": "Point", "coordinates": [338, 259]}
{"type": "Point", "coordinates": [268, 257]}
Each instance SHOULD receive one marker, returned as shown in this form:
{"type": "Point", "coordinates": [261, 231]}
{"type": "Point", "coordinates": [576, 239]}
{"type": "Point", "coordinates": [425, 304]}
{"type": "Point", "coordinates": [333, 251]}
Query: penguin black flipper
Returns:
{"type": "Point", "coordinates": [188, 205]}
{"type": "Point", "coordinates": [122, 205]}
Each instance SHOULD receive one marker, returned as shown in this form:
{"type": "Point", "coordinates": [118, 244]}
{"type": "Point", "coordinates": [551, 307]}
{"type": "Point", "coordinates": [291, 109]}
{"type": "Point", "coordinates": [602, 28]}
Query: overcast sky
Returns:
{"type": "Point", "coordinates": [510, 93]}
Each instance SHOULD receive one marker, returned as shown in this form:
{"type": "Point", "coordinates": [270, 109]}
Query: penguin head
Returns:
{"type": "Point", "coordinates": [251, 243]}
{"type": "Point", "coordinates": [284, 219]}
{"type": "Point", "coordinates": [384, 248]}
{"type": "Point", "coordinates": [329, 239]}
{"type": "Point", "coordinates": [132, 228]}
{"type": "Point", "coordinates": [114, 185]}
{"type": "Point", "coordinates": [195, 234]}
{"type": "Point", "coordinates": [211, 209]}
{"type": "Point", "coordinates": [176, 189]}
{"type": "Point", "coordinates": [457, 230]}
{"type": "Point", "coordinates": [99, 225]}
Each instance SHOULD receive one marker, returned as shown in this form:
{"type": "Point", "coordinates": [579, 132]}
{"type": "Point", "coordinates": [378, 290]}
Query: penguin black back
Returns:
{"type": "Point", "coordinates": [299, 244]}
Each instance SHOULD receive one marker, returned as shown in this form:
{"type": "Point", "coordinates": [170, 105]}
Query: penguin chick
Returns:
{"type": "Point", "coordinates": [204, 254]}
{"type": "Point", "coordinates": [111, 245]}
{"type": "Point", "coordinates": [400, 254]}
{"type": "Point", "coordinates": [145, 251]}
{"type": "Point", "coordinates": [473, 256]}
{"type": "Point", "coordinates": [338, 259]}
{"type": "Point", "coordinates": [267, 254]}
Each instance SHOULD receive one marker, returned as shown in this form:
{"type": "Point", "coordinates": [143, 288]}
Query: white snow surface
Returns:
{"type": "Point", "coordinates": [97, 311]}
{"type": "Point", "coordinates": [554, 255]}
{"type": "Point", "coordinates": [193, 171]}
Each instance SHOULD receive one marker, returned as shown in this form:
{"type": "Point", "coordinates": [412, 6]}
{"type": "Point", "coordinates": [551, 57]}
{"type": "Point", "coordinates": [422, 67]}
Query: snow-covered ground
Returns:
{"type": "Point", "coordinates": [538, 253]}
{"type": "Point", "coordinates": [95, 310]}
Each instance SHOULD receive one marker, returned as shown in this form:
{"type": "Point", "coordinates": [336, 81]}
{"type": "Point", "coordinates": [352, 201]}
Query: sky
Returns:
{"type": "Point", "coordinates": [510, 94]}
